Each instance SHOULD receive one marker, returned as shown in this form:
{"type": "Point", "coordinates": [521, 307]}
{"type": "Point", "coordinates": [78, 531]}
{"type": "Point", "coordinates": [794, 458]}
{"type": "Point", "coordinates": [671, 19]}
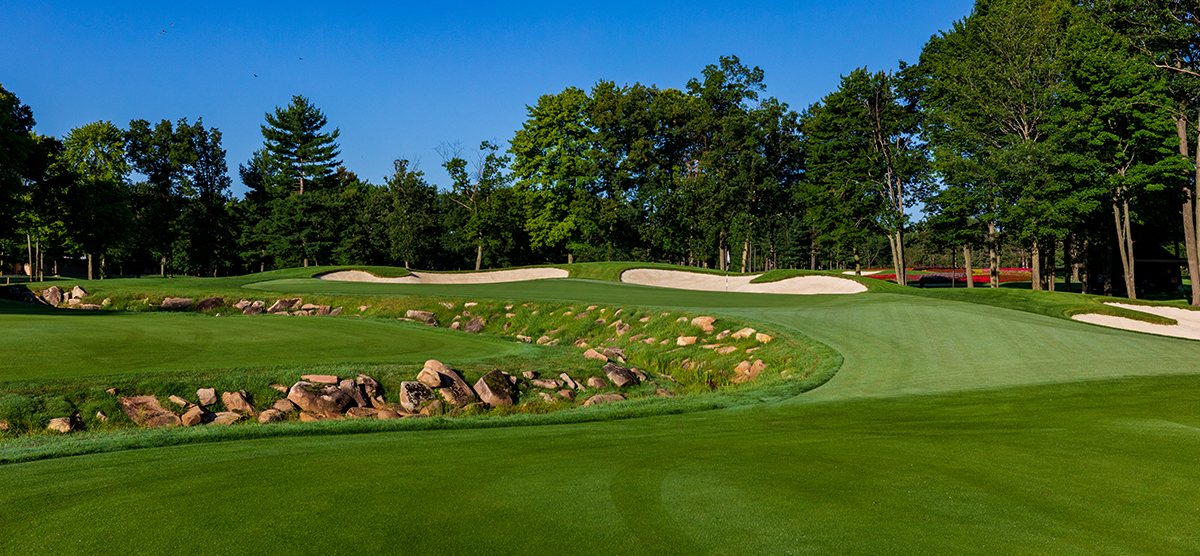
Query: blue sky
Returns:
{"type": "Point", "coordinates": [400, 78]}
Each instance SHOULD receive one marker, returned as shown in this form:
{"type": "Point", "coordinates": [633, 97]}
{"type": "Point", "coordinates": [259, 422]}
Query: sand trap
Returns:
{"type": "Point", "coordinates": [864, 273]}
{"type": "Point", "coordinates": [1188, 327]}
{"type": "Point", "coordinates": [682, 280]}
{"type": "Point", "coordinates": [491, 277]}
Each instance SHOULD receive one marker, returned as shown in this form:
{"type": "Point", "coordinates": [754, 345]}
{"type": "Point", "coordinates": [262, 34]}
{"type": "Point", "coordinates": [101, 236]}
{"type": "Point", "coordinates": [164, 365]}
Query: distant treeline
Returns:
{"type": "Point", "coordinates": [1058, 132]}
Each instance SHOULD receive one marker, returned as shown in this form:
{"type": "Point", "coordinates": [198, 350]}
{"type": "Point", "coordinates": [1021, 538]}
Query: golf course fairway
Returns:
{"type": "Point", "coordinates": [951, 428]}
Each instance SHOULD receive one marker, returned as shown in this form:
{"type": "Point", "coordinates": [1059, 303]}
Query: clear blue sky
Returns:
{"type": "Point", "coordinates": [400, 78]}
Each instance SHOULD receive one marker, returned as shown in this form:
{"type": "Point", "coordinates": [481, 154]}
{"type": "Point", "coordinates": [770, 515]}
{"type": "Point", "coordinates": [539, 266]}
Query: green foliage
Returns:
{"type": "Point", "coordinates": [296, 150]}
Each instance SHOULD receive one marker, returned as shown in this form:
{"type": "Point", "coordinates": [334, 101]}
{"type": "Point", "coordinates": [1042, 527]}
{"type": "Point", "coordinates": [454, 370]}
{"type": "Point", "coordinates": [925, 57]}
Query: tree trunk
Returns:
{"type": "Point", "coordinates": [953, 266]}
{"type": "Point", "coordinates": [162, 266]}
{"type": "Point", "coordinates": [1125, 245]}
{"type": "Point", "coordinates": [993, 258]}
{"type": "Point", "coordinates": [570, 258]}
{"type": "Point", "coordinates": [1035, 258]}
{"type": "Point", "coordinates": [29, 247]}
{"type": "Point", "coordinates": [1052, 257]}
{"type": "Point", "coordinates": [896, 240]}
{"type": "Point", "coordinates": [305, 261]}
{"type": "Point", "coordinates": [1070, 271]}
{"type": "Point", "coordinates": [103, 262]}
{"type": "Point", "coordinates": [40, 271]}
{"type": "Point", "coordinates": [91, 275]}
{"type": "Point", "coordinates": [967, 266]}
{"type": "Point", "coordinates": [1189, 215]}
{"type": "Point", "coordinates": [857, 267]}
{"type": "Point", "coordinates": [478, 256]}
{"type": "Point", "coordinates": [745, 252]}
{"type": "Point", "coordinates": [1085, 280]}
{"type": "Point", "coordinates": [1108, 270]}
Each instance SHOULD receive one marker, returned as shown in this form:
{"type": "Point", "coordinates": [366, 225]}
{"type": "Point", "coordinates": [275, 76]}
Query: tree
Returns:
{"type": "Point", "coordinates": [485, 195]}
{"type": "Point", "coordinates": [412, 219]}
{"type": "Point", "coordinates": [17, 145]}
{"type": "Point", "coordinates": [99, 208]}
{"type": "Point", "coordinates": [862, 145]}
{"type": "Point", "coordinates": [296, 148]}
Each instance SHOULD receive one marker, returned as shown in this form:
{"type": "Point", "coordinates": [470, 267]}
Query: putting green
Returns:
{"type": "Point", "coordinates": [952, 428]}
{"type": "Point", "coordinates": [47, 343]}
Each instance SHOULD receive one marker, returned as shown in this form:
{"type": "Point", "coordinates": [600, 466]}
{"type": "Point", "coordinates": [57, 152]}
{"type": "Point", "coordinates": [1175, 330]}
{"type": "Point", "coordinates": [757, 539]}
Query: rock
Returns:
{"type": "Point", "coordinates": [311, 402]}
{"type": "Point", "coordinates": [386, 414]}
{"type": "Point", "coordinates": [280, 388]}
{"type": "Point", "coordinates": [429, 377]}
{"type": "Point", "coordinates": [350, 388]}
{"type": "Point", "coordinates": [363, 412]}
{"type": "Point", "coordinates": [547, 383]}
{"type": "Point", "coordinates": [334, 395]}
{"type": "Point", "coordinates": [323, 311]}
{"type": "Point", "coordinates": [615, 353]}
{"type": "Point", "coordinates": [226, 418]}
{"type": "Point", "coordinates": [620, 376]}
{"type": "Point", "coordinates": [109, 300]}
{"type": "Point", "coordinates": [570, 382]}
{"type": "Point", "coordinates": [145, 410]}
{"type": "Point", "coordinates": [193, 416]}
{"type": "Point", "coordinates": [3, 426]}
{"type": "Point", "coordinates": [100, 416]}
{"type": "Point", "coordinates": [178, 400]}
{"type": "Point", "coordinates": [53, 295]}
{"type": "Point", "coordinates": [664, 393]}
{"type": "Point", "coordinates": [269, 416]}
{"type": "Point", "coordinates": [371, 390]}
{"type": "Point", "coordinates": [450, 385]}
{"type": "Point", "coordinates": [252, 310]}
{"type": "Point", "coordinates": [597, 382]}
{"type": "Point", "coordinates": [546, 397]}
{"type": "Point", "coordinates": [173, 303]}
{"type": "Point", "coordinates": [747, 371]}
{"type": "Point", "coordinates": [623, 328]}
{"type": "Point", "coordinates": [446, 304]}
{"type": "Point", "coordinates": [283, 406]}
{"type": "Point", "coordinates": [310, 416]}
{"type": "Point", "coordinates": [685, 340]}
{"type": "Point", "coordinates": [241, 304]}
{"type": "Point", "coordinates": [320, 379]}
{"type": "Point", "coordinates": [726, 350]}
{"type": "Point", "coordinates": [568, 394]}
{"type": "Point", "coordinates": [530, 374]}
{"type": "Point", "coordinates": [61, 424]}
{"type": "Point", "coordinates": [753, 349]}
{"type": "Point", "coordinates": [475, 326]}
{"type": "Point", "coordinates": [525, 339]}
{"type": "Point", "coordinates": [581, 343]}
{"type": "Point", "coordinates": [512, 380]}
{"type": "Point", "coordinates": [422, 316]}
{"type": "Point", "coordinates": [436, 407]}
{"type": "Point", "coordinates": [723, 334]}
{"type": "Point", "coordinates": [681, 319]}
{"type": "Point", "coordinates": [207, 396]}
{"type": "Point", "coordinates": [281, 305]}
{"type": "Point", "coordinates": [78, 293]}
{"type": "Point", "coordinates": [210, 303]}
{"type": "Point", "coordinates": [763, 338]}
{"type": "Point", "coordinates": [296, 304]}
{"type": "Point", "coordinates": [414, 394]}
{"type": "Point", "coordinates": [310, 306]}
{"type": "Point", "coordinates": [603, 398]}
{"type": "Point", "coordinates": [704, 323]}
{"type": "Point", "coordinates": [743, 334]}
{"type": "Point", "coordinates": [644, 319]}
{"type": "Point", "coordinates": [111, 391]}
{"type": "Point", "coordinates": [494, 389]}
{"type": "Point", "coordinates": [362, 308]}
{"type": "Point", "coordinates": [593, 354]}
{"type": "Point", "coordinates": [335, 312]}
{"type": "Point", "coordinates": [641, 376]}
{"type": "Point", "coordinates": [455, 325]}
{"type": "Point", "coordinates": [89, 307]}
{"type": "Point", "coordinates": [235, 401]}
{"type": "Point", "coordinates": [300, 313]}
{"type": "Point", "coordinates": [470, 304]}
{"type": "Point", "coordinates": [74, 301]}
{"type": "Point", "coordinates": [544, 340]}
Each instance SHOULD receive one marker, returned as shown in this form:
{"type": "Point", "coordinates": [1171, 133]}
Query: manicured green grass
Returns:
{"type": "Point", "coordinates": [959, 423]}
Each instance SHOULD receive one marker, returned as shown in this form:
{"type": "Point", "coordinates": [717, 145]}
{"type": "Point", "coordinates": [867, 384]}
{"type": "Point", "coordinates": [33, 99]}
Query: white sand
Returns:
{"type": "Point", "coordinates": [800, 285]}
{"type": "Point", "coordinates": [864, 273]}
{"type": "Point", "coordinates": [490, 277]}
{"type": "Point", "coordinates": [1188, 327]}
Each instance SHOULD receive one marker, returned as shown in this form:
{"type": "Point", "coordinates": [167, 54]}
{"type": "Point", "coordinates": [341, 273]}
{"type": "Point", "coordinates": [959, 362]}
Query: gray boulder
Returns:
{"type": "Point", "coordinates": [78, 293]}
{"type": "Point", "coordinates": [53, 295]}
{"type": "Point", "coordinates": [620, 376]}
{"type": "Point", "coordinates": [61, 424]}
{"type": "Point", "coordinates": [252, 310]}
{"type": "Point", "coordinates": [210, 303]}
{"type": "Point", "coordinates": [475, 326]}
{"type": "Point", "coordinates": [174, 303]}
{"type": "Point", "coordinates": [208, 396]}
{"type": "Point", "coordinates": [414, 394]}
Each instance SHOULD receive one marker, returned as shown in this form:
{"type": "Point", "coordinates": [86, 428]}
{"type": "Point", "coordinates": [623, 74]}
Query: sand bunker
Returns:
{"type": "Point", "coordinates": [800, 285]}
{"type": "Point", "coordinates": [491, 277]}
{"type": "Point", "coordinates": [864, 273]}
{"type": "Point", "coordinates": [1188, 327]}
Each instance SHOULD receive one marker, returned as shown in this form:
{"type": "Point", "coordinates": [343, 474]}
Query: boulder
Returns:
{"type": "Point", "coordinates": [743, 334]}
{"type": "Point", "coordinates": [475, 326]}
{"type": "Point", "coordinates": [525, 339]}
{"type": "Point", "coordinates": [371, 389]}
{"type": "Point", "coordinates": [310, 416]}
{"type": "Point", "coordinates": [280, 388]}
{"type": "Point", "coordinates": [235, 401]}
{"type": "Point", "coordinates": [685, 340]}
{"type": "Point", "coordinates": [623, 328]}
{"type": "Point", "coordinates": [252, 310]}
{"type": "Point", "coordinates": [61, 424]}
{"type": "Point", "coordinates": [310, 306]}
{"type": "Point", "coordinates": [269, 416]}
{"type": "Point", "coordinates": [335, 312]}
{"type": "Point", "coordinates": [78, 293]}
{"type": "Point", "coordinates": [53, 295]}
{"type": "Point", "coordinates": [436, 407]}
{"type": "Point", "coordinates": [726, 350]}
{"type": "Point", "coordinates": [723, 334]}
{"type": "Point", "coordinates": [281, 305]}
{"type": "Point", "coordinates": [111, 391]}
{"type": "Point", "coordinates": [603, 398]}
{"type": "Point", "coordinates": [547, 383]}
{"type": "Point", "coordinates": [177, 400]}
{"type": "Point", "coordinates": [620, 376]}
{"type": "Point", "coordinates": [544, 340]}
{"type": "Point", "coordinates": [299, 313]}
{"type": "Point", "coordinates": [323, 311]}
{"type": "Point", "coordinates": [226, 418]}
{"type": "Point", "coordinates": [193, 416]}
{"type": "Point", "coordinates": [74, 301]}
{"type": "Point", "coordinates": [100, 416]}
{"type": "Point", "coordinates": [362, 308]}
{"type": "Point", "coordinates": [386, 414]}
{"type": "Point", "coordinates": [362, 412]}
{"type": "Point", "coordinates": [3, 426]}
{"type": "Point", "coordinates": [241, 304]}
{"type": "Point", "coordinates": [529, 374]}
{"type": "Point", "coordinates": [173, 303]}
{"type": "Point", "coordinates": [593, 354]}
{"type": "Point", "coordinates": [763, 338]}
{"type": "Point", "coordinates": [89, 307]}
{"type": "Point", "coordinates": [333, 394]}
{"type": "Point", "coordinates": [414, 394]}
{"type": "Point", "coordinates": [309, 401]}
{"type": "Point", "coordinates": [494, 389]}
{"type": "Point", "coordinates": [567, 394]}
{"type": "Point", "coordinates": [570, 382]}
{"type": "Point", "coordinates": [145, 410]}
{"type": "Point", "coordinates": [210, 303]}
{"type": "Point", "coordinates": [455, 325]}
{"type": "Point", "coordinates": [664, 393]}
{"type": "Point", "coordinates": [296, 304]}
{"type": "Point", "coordinates": [431, 375]}
{"type": "Point", "coordinates": [704, 323]}
{"type": "Point", "coordinates": [446, 304]}
{"type": "Point", "coordinates": [283, 406]}
{"type": "Point", "coordinates": [320, 379]}
{"type": "Point", "coordinates": [208, 396]}
{"type": "Point", "coordinates": [350, 388]}
{"type": "Point", "coordinates": [615, 353]}
{"type": "Point", "coordinates": [597, 382]}
{"type": "Point", "coordinates": [419, 315]}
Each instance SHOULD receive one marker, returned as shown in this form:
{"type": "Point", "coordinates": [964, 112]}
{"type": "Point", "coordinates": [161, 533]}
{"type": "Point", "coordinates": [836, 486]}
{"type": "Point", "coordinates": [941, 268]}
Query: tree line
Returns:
{"type": "Point", "coordinates": [1063, 129]}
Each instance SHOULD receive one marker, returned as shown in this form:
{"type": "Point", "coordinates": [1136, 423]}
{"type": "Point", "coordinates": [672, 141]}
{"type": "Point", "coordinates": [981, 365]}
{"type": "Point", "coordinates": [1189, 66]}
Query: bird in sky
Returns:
{"type": "Point", "coordinates": [256, 75]}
